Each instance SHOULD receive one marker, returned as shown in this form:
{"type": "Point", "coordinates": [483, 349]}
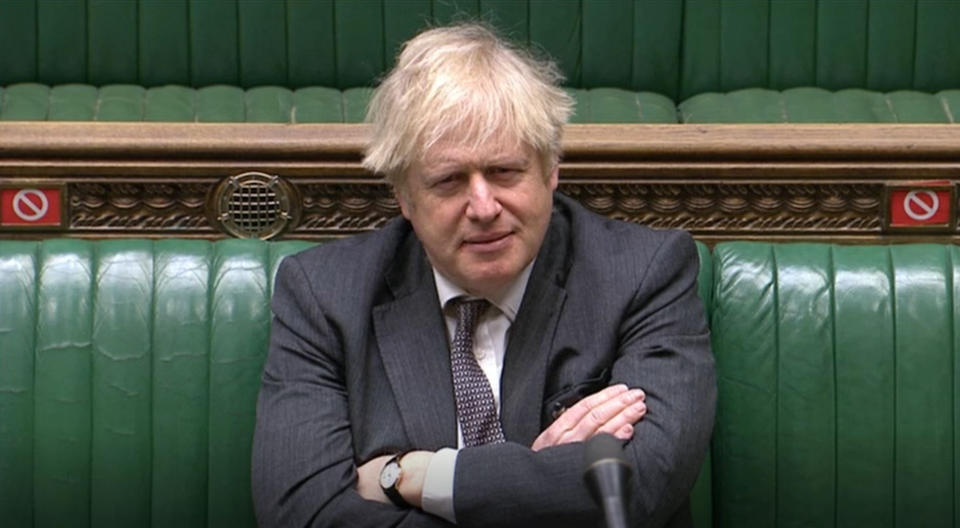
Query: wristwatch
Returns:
{"type": "Point", "coordinates": [390, 477]}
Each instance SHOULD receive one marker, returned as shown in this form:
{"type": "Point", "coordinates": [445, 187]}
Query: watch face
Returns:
{"type": "Point", "coordinates": [389, 475]}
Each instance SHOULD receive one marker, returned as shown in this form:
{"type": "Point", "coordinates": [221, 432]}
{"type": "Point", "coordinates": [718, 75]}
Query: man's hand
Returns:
{"type": "Point", "coordinates": [613, 410]}
{"type": "Point", "coordinates": [414, 465]}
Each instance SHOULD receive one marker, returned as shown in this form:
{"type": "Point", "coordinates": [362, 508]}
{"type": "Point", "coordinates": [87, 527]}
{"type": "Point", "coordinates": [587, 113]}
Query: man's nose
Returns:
{"type": "Point", "coordinates": [482, 203]}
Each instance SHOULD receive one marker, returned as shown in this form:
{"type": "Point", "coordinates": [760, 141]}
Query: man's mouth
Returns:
{"type": "Point", "coordinates": [487, 242]}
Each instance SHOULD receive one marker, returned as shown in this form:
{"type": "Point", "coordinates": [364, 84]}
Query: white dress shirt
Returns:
{"type": "Point", "coordinates": [489, 347]}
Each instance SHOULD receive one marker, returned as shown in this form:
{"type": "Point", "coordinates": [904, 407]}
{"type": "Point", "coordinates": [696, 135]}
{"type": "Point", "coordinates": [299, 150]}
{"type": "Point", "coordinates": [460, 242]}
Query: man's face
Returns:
{"type": "Point", "coordinates": [480, 213]}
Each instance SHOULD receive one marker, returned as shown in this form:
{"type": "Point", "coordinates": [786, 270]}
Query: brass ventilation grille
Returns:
{"type": "Point", "coordinates": [254, 205]}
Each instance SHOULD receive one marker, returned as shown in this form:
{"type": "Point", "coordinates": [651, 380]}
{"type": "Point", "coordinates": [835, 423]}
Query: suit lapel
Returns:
{"type": "Point", "coordinates": [531, 337]}
{"type": "Point", "coordinates": [412, 342]}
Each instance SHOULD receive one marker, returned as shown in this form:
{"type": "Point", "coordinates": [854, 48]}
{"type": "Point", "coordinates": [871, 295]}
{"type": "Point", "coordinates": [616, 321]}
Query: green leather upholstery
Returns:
{"type": "Point", "coordinates": [870, 44]}
{"type": "Point", "coordinates": [297, 61]}
{"type": "Point", "coordinates": [678, 49]}
{"type": "Point", "coordinates": [837, 372]}
{"type": "Point", "coordinates": [219, 103]}
{"type": "Point", "coordinates": [701, 497]}
{"type": "Point", "coordinates": [616, 105]}
{"type": "Point", "coordinates": [270, 104]}
{"type": "Point", "coordinates": [816, 105]}
{"type": "Point", "coordinates": [128, 377]}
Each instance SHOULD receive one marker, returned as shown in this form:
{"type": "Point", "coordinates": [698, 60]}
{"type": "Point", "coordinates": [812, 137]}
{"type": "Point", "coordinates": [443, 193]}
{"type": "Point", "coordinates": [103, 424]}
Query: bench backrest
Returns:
{"type": "Point", "coordinates": [837, 372]}
{"type": "Point", "coordinates": [675, 48]}
{"type": "Point", "coordinates": [129, 372]}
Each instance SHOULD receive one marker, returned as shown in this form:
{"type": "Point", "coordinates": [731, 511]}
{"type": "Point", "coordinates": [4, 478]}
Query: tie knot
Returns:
{"type": "Point", "coordinates": [469, 310]}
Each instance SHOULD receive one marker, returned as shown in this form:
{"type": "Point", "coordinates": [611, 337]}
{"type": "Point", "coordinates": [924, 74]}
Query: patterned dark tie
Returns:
{"type": "Point", "coordinates": [476, 409]}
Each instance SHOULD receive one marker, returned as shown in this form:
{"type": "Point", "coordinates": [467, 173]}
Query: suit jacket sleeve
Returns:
{"type": "Point", "coordinates": [662, 347]}
{"type": "Point", "coordinates": [303, 467]}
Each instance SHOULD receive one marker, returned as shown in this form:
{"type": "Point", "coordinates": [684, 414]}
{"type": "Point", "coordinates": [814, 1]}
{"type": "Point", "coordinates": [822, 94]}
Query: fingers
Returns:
{"type": "Point", "coordinates": [613, 410]}
{"type": "Point", "coordinates": [621, 425]}
{"type": "Point", "coordinates": [615, 415]}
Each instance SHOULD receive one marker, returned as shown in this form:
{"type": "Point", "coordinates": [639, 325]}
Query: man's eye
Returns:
{"type": "Point", "coordinates": [445, 181]}
{"type": "Point", "coordinates": [505, 173]}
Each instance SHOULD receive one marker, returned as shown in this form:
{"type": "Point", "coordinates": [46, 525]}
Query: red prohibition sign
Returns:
{"type": "Point", "coordinates": [921, 205]}
{"type": "Point", "coordinates": [30, 205]}
{"type": "Point", "coordinates": [931, 206]}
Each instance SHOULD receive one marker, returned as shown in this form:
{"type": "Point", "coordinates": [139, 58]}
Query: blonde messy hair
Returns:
{"type": "Point", "coordinates": [463, 81]}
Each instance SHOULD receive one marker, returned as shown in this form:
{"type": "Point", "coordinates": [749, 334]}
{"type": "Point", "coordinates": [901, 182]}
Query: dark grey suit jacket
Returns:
{"type": "Point", "coordinates": [359, 366]}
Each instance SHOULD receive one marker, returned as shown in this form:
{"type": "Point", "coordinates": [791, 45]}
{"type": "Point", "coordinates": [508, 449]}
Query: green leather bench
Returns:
{"type": "Point", "coordinates": [129, 372]}
{"type": "Point", "coordinates": [643, 61]}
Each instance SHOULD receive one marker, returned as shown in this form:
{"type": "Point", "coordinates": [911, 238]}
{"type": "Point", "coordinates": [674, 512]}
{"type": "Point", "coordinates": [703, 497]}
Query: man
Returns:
{"type": "Point", "coordinates": [447, 368]}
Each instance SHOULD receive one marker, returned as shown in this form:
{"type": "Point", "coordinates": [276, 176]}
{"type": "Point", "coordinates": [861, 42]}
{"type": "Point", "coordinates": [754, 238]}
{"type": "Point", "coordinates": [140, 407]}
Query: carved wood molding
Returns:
{"type": "Point", "coordinates": [768, 182]}
{"type": "Point", "coordinates": [154, 207]}
{"type": "Point", "coordinates": [755, 209]}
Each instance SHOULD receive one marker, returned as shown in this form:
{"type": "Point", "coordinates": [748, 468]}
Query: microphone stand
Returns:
{"type": "Point", "coordinates": [607, 476]}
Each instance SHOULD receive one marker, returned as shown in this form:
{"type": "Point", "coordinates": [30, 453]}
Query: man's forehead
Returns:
{"type": "Point", "coordinates": [493, 150]}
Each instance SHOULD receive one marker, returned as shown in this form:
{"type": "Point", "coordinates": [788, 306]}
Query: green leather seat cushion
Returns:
{"type": "Point", "coordinates": [219, 103]}
{"type": "Point", "coordinates": [268, 104]}
{"type": "Point", "coordinates": [272, 104]}
{"type": "Point", "coordinates": [816, 105]}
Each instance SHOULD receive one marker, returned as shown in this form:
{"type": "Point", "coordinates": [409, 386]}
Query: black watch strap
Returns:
{"type": "Point", "coordinates": [391, 491]}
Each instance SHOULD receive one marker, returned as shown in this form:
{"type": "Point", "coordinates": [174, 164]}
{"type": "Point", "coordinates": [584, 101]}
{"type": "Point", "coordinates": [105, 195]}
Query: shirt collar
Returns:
{"type": "Point", "coordinates": [508, 302]}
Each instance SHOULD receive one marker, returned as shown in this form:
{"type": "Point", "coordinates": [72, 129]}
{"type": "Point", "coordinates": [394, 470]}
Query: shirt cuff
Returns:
{"type": "Point", "coordinates": [437, 496]}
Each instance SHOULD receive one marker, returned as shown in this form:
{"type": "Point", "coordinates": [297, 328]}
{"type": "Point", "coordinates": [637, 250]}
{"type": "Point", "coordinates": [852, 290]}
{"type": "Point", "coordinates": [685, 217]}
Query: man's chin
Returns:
{"type": "Point", "coordinates": [486, 283]}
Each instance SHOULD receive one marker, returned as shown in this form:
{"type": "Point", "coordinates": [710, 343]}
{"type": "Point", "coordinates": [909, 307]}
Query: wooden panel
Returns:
{"type": "Point", "coordinates": [721, 182]}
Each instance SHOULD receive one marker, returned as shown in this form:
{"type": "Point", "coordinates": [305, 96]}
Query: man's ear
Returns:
{"type": "Point", "coordinates": [554, 177]}
{"type": "Point", "coordinates": [402, 201]}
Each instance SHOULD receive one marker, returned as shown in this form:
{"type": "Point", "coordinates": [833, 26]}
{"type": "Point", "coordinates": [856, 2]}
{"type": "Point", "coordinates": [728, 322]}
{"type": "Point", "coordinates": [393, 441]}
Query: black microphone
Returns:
{"type": "Point", "coordinates": [607, 474]}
